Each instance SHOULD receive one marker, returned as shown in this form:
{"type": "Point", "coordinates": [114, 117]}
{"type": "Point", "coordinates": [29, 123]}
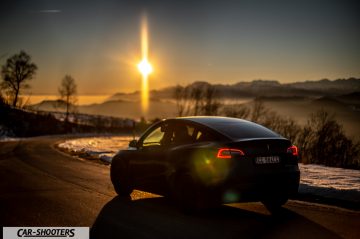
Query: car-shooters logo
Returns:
{"type": "Point", "coordinates": [46, 232]}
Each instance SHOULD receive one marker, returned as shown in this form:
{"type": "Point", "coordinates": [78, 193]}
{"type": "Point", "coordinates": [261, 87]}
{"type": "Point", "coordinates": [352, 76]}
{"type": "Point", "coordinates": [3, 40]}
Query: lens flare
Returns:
{"type": "Point", "coordinates": [209, 169]}
{"type": "Point", "coordinates": [144, 66]}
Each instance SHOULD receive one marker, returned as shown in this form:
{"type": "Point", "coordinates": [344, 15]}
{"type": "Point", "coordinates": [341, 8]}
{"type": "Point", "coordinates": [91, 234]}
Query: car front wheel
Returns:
{"type": "Point", "coordinates": [120, 177]}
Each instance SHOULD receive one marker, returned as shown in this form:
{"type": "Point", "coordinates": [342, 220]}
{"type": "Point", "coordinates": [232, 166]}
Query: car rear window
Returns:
{"type": "Point", "coordinates": [243, 130]}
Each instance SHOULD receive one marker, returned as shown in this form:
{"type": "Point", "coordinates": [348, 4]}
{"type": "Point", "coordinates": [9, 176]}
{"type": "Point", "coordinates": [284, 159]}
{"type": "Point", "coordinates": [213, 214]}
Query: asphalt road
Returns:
{"type": "Point", "coordinates": [41, 186]}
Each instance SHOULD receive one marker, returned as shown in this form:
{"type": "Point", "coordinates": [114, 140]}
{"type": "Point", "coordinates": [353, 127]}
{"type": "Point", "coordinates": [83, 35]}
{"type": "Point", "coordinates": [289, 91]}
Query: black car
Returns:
{"type": "Point", "coordinates": [207, 161]}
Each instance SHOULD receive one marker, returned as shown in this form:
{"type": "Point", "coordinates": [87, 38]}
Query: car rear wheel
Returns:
{"type": "Point", "coordinates": [187, 193]}
{"type": "Point", "coordinates": [120, 177]}
{"type": "Point", "coordinates": [274, 204]}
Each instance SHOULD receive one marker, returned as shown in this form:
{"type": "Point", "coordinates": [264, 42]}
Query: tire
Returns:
{"type": "Point", "coordinates": [187, 193]}
{"type": "Point", "coordinates": [274, 204]}
{"type": "Point", "coordinates": [120, 177]}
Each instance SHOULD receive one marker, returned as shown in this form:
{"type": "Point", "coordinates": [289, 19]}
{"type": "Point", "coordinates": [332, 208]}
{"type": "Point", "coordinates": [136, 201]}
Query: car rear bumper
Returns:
{"type": "Point", "coordinates": [257, 187]}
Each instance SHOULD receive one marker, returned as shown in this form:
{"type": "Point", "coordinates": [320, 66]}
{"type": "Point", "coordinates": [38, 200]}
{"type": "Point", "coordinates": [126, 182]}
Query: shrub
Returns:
{"type": "Point", "coordinates": [323, 141]}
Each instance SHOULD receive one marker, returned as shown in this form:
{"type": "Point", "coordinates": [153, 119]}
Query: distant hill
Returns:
{"type": "Point", "coordinates": [326, 101]}
{"type": "Point", "coordinates": [49, 105]}
{"type": "Point", "coordinates": [20, 123]}
{"type": "Point", "coordinates": [339, 86]}
{"type": "Point", "coordinates": [261, 88]}
{"type": "Point", "coordinates": [15, 122]}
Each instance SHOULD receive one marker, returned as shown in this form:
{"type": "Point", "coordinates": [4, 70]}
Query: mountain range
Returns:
{"type": "Point", "coordinates": [261, 88]}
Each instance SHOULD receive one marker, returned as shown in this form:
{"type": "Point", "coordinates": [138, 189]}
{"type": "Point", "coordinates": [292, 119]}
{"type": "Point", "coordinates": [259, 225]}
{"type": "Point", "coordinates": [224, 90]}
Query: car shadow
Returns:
{"type": "Point", "coordinates": [159, 218]}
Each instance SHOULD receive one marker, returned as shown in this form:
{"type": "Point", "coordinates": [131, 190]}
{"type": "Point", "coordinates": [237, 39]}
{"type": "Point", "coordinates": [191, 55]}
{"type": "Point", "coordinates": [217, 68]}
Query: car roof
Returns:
{"type": "Point", "coordinates": [212, 120]}
{"type": "Point", "coordinates": [232, 128]}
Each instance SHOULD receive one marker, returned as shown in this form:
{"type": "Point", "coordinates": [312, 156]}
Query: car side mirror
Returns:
{"type": "Point", "coordinates": [133, 143]}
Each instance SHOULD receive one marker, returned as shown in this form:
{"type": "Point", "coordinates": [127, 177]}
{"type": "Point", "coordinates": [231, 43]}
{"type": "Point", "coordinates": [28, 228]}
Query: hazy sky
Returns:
{"type": "Point", "coordinates": [97, 42]}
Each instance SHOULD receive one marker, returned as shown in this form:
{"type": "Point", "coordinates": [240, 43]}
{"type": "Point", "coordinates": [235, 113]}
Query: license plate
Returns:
{"type": "Point", "coordinates": [267, 160]}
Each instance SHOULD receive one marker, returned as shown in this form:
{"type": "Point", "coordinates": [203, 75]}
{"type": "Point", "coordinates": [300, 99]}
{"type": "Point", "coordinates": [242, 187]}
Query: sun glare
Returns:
{"type": "Point", "coordinates": [144, 66]}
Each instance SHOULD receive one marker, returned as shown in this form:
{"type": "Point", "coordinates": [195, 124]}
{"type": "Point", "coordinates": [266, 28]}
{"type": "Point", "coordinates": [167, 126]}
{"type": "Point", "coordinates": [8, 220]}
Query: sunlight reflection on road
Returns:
{"type": "Point", "coordinates": [137, 195]}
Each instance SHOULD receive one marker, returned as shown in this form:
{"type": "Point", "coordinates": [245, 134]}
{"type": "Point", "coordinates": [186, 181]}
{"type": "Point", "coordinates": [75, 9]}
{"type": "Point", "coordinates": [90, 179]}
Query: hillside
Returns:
{"type": "Point", "coordinates": [16, 122]}
{"type": "Point", "coordinates": [23, 123]}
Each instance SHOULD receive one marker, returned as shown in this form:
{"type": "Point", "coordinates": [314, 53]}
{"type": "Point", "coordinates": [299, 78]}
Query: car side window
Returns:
{"type": "Point", "coordinates": [174, 134]}
{"type": "Point", "coordinates": [188, 133]}
{"type": "Point", "coordinates": [201, 135]}
{"type": "Point", "coordinates": [154, 138]}
{"type": "Point", "coordinates": [181, 134]}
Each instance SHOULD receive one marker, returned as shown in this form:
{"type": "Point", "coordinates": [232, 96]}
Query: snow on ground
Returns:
{"type": "Point", "coordinates": [103, 148]}
{"type": "Point", "coordinates": [330, 182]}
{"type": "Point", "coordinates": [318, 180]}
{"type": "Point", "coordinates": [8, 139]}
{"type": "Point", "coordinates": [338, 178]}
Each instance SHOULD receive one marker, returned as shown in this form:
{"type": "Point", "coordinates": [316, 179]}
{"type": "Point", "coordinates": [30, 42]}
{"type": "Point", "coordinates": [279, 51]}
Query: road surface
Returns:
{"type": "Point", "coordinates": [41, 186]}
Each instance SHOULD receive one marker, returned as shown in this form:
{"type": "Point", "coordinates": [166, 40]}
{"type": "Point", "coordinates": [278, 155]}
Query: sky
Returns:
{"type": "Point", "coordinates": [98, 41]}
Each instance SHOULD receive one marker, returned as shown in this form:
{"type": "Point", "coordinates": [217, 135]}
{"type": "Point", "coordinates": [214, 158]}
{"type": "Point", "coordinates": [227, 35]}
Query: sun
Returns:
{"type": "Point", "coordinates": [145, 67]}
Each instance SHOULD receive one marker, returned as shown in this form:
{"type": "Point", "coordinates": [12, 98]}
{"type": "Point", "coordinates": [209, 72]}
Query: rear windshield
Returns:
{"type": "Point", "coordinates": [243, 130]}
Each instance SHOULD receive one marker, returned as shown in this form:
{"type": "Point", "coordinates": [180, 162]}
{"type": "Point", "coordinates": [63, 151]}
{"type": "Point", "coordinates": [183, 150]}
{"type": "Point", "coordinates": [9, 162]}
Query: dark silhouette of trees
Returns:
{"type": "Point", "coordinates": [196, 100]}
{"type": "Point", "coordinates": [210, 104]}
{"type": "Point", "coordinates": [285, 126]}
{"type": "Point", "coordinates": [236, 111]}
{"type": "Point", "coordinates": [259, 111]}
{"type": "Point", "coordinates": [181, 96]}
{"type": "Point", "coordinates": [323, 141]}
{"type": "Point", "coordinates": [16, 72]}
{"type": "Point", "coordinates": [195, 96]}
{"type": "Point", "coordinates": [68, 91]}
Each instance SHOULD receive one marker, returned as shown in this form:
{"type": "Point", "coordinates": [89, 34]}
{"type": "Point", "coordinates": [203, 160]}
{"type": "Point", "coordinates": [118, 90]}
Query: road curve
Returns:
{"type": "Point", "coordinates": [41, 186]}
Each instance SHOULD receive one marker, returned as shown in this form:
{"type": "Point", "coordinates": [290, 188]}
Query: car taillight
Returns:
{"type": "Point", "coordinates": [226, 153]}
{"type": "Point", "coordinates": [293, 150]}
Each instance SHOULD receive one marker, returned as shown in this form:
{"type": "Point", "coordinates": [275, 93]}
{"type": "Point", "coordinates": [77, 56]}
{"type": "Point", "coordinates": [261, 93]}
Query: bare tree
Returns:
{"type": "Point", "coordinates": [211, 105]}
{"type": "Point", "coordinates": [15, 73]}
{"type": "Point", "coordinates": [196, 100]}
{"type": "Point", "coordinates": [181, 95]}
{"type": "Point", "coordinates": [236, 111]}
{"type": "Point", "coordinates": [259, 111]}
{"type": "Point", "coordinates": [68, 91]}
{"type": "Point", "coordinates": [323, 141]}
{"type": "Point", "coordinates": [196, 96]}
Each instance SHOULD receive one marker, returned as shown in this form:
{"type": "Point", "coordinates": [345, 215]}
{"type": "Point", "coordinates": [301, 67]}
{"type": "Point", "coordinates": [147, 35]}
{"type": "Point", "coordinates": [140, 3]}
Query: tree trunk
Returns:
{"type": "Point", "coordinates": [67, 109]}
{"type": "Point", "coordinates": [16, 98]}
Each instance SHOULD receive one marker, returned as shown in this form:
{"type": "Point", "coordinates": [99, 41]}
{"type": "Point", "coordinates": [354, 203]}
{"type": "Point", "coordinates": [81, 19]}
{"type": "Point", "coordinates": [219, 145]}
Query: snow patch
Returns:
{"type": "Point", "coordinates": [8, 139]}
{"type": "Point", "coordinates": [329, 182]}
{"type": "Point", "coordinates": [328, 177]}
{"type": "Point", "coordinates": [103, 148]}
